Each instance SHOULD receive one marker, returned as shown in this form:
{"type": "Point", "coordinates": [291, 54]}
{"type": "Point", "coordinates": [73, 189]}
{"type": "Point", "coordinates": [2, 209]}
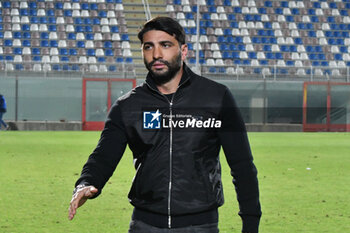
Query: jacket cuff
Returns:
{"type": "Point", "coordinates": [84, 184]}
{"type": "Point", "coordinates": [250, 224]}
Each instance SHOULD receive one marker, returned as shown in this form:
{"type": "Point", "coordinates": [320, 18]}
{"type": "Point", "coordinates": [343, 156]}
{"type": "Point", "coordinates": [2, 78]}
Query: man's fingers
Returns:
{"type": "Point", "coordinates": [79, 198]}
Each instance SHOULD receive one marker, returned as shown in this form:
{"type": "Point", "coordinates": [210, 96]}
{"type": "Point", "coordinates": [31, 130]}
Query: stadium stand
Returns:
{"type": "Point", "coordinates": [62, 35]}
{"type": "Point", "coordinates": [254, 37]}
{"type": "Point", "coordinates": [302, 34]}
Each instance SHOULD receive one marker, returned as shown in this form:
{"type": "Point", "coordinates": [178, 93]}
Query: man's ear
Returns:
{"type": "Point", "coordinates": [184, 50]}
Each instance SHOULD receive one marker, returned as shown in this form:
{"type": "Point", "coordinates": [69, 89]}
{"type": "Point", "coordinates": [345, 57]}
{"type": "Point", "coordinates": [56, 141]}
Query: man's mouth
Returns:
{"type": "Point", "coordinates": [158, 65]}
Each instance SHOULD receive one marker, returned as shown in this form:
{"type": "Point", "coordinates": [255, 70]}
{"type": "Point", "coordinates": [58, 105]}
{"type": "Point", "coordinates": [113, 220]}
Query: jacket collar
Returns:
{"type": "Point", "coordinates": [186, 77]}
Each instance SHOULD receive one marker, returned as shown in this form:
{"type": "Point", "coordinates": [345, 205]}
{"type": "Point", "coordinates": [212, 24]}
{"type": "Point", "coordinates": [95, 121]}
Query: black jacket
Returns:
{"type": "Point", "coordinates": [177, 168]}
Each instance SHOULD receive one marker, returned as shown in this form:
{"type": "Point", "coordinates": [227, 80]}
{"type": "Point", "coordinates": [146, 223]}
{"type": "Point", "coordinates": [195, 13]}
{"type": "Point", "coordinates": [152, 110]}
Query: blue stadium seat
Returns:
{"type": "Point", "coordinates": [89, 36]}
{"type": "Point", "coordinates": [295, 11]}
{"type": "Point", "coordinates": [112, 68]}
{"type": "Point", "coordinates": [44, 35]}
{"type": "Point", "coordinates": [34, 19]}
{"type": "Point", "coordinates": [333, 5]}
{"type": "Point", "coordinates": [96, 21]}
{"type": "Point", "coordinates": [53, 43]}
{"type": "Point", "coordinates": [256, 40]}
{"type": "Point", "coordinates": [262, 10]}
{"type": "Point", "coordinates": [312, 56]}
{"type": "Point", "coordinates": [263, 62]}
{"type": "Point", "coordinates": [227, 55]}
{"type": "Point", "coordinates": [23, 12]}
{"type": "Point", "coordinates": [290, 18]}
{"type": "Point", "coordinates": [227, 2]}
{"type": "Point", "coordinates": [17, 51]}
{"type": "Point", "coordinates": [298, 40]}
{"type": "Point", "coordinates": [52, 20]}
{"type": "Point", "coordinates": [36, 51]}
{"type": "Point", "coordinates": [43, 20]}
{"type": "Point", "coordinates": [80, 44]}
{"type": "Point", "coordinates": [52, 28]}
{"type": "Point", "coordinates": [324, 63]}
{"type": "Point", "coordinates": [246, 62]}
{"type": "Point", "coordinates": [252, 55]}
{"type": "Point", "coordinates": [26, 43]}
{"type": "Point", "coordinates": [235, 55]}
{"type": "Point", "coordinates": [125, 37]}
{"type": "Point", "coordinates": [343, 49]}
{"type": "Point", "coordinates": [8, 43]}
{"type": "Point", "coordinates": [6, 4]}
{"type": "Point", "coordinates": [102, 14]}
{"type": "Point", "coordinates": [279, 56]}
{"type": "Point", "coordinates": [32, 5]}
{"type": "Point", "coordinates": [279, 11]}
{"type": "Point", "coordinates": [237, 10]}
{"type": "Point", "coordinates": [50, 13]}
{"type": "Point", "coordinates": [79, 28]}
{"type": "Point", "coordinates": [85, 6]}
{"type": "Point", "coordinates": [91, 52]}
{"type": "Point", "coordinates": [293, 48]}
{"type": "Point", "coordinates": [212, 69]}
{"type": "Point", "coordinates": [25, 27]}
{"type": "Point", "coordinates": [36, 58]}
{"type": "Point", "coordinates": [67, 13]}
{"type": "Point", "coordinates": [44, 43]}
{"type": "Point", "coordinates": [233, 47]}
{"type": "Point", "coordinates": [33, 12]}
{"type": "Point", "coordinates": [270, 56]}
{"type": "Point", "coordinates": [56, 67]}
{"type": "Point", "coordinates": [18, 67]}
{"type": "Point", "coordinates": [290, 63]}
{"type": "Point", "coordinates": [71, 36]}
{"type": "Point", "coordinates": [314, 19]}
{"type": "Point", "coordinates": [119, 60]}
{"type": "Point", "coordinates": [17, 35]}
{"type": "Point", "coordinates": [284, 4]}
{"type": "Point", "coordinates": [267, 48]}
{"type": "Point", "coordinates": [63, 51]}
{"type": "Point", "coordinates": [315, 63]}
{"type": "Point", "coordinates": [338, 56]}
{"type": "Point", "coordinates": [59, 5]}
{"type": "Point", "coordinates": [9, 58]}
{"type": "Point", "coordinates": [109, 52]}
{"type": "Point", "coordinates": [317, 5]}
{"type": "Point", "coordinates": [87, 21]}
{"type": "Point", "coordinates": [268, 4]}
{"type": "Point", "coordinates": [318, 49]}
{"type": "Point", "coordinates": [344, 13]}
{"type": "Point", "coordinates": [72, 52]}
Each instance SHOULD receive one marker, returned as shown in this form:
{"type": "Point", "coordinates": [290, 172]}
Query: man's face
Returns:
{"type": "Point", "coordinates": [162, 55]}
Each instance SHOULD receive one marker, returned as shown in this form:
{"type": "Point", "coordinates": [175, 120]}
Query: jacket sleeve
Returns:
{"type": "Point", "coordinates": [106, 156]}
{"type": "Point", "coordinates": [234, 140]}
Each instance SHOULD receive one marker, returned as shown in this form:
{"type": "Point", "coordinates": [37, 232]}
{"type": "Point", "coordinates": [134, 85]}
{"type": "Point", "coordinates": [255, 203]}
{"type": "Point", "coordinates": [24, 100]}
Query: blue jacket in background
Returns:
{"type": "Point", "coordinates": [2, 104]}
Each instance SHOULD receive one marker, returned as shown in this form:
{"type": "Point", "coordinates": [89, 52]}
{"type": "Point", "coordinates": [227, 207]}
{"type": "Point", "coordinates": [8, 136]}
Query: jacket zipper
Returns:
{"type": "Point", "coordinates": [170, 161]}
{"type": "Point", "coordinates": [170, 149]}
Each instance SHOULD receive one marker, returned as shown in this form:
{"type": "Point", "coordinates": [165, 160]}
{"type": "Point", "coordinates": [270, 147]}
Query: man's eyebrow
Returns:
{"type": "Point", "coordinates": [160, 42]}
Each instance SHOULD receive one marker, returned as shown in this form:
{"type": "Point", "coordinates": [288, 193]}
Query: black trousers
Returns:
{"type": "Point", "coordinates": [141, 227]}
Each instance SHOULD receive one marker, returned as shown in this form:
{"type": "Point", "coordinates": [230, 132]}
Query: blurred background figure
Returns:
{"type": "Point", "coordinates": [2, 111]}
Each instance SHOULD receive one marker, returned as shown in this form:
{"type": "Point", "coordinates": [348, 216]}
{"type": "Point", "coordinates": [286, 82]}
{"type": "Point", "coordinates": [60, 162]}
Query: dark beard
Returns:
{"type": "Point", "coordinates": [173, 67]}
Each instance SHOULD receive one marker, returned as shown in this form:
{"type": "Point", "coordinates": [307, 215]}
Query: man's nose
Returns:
{"type": "Point", "coordinates": [157, 53]}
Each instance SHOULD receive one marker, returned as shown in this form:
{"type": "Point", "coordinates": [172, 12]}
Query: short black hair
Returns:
{"type": "Point", "coordinates": [165, 24]}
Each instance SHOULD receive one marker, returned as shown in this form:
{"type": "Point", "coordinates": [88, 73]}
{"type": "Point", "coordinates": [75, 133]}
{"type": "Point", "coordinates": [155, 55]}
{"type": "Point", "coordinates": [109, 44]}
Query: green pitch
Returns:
{"type": "Point", "coordinates": [304, 184]}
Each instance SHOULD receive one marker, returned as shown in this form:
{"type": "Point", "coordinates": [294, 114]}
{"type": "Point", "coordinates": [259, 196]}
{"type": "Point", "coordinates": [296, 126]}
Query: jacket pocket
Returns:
{"type": "Point", "coordinates": [206, 182]}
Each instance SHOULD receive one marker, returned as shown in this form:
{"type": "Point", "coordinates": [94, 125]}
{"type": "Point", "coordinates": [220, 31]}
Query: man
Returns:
{"type": "Point", "coordinates": [3, 111]}
{"type": "Point", "coordinates": [175, 124]}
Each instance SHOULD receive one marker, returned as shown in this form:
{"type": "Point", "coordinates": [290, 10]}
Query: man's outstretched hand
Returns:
{"type": "Point", "coordinates": [79, 198]}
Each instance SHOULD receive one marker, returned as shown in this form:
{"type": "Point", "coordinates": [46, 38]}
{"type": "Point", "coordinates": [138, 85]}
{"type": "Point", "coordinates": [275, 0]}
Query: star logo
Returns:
{"type": "Point", "coordinates": [151, 120]}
